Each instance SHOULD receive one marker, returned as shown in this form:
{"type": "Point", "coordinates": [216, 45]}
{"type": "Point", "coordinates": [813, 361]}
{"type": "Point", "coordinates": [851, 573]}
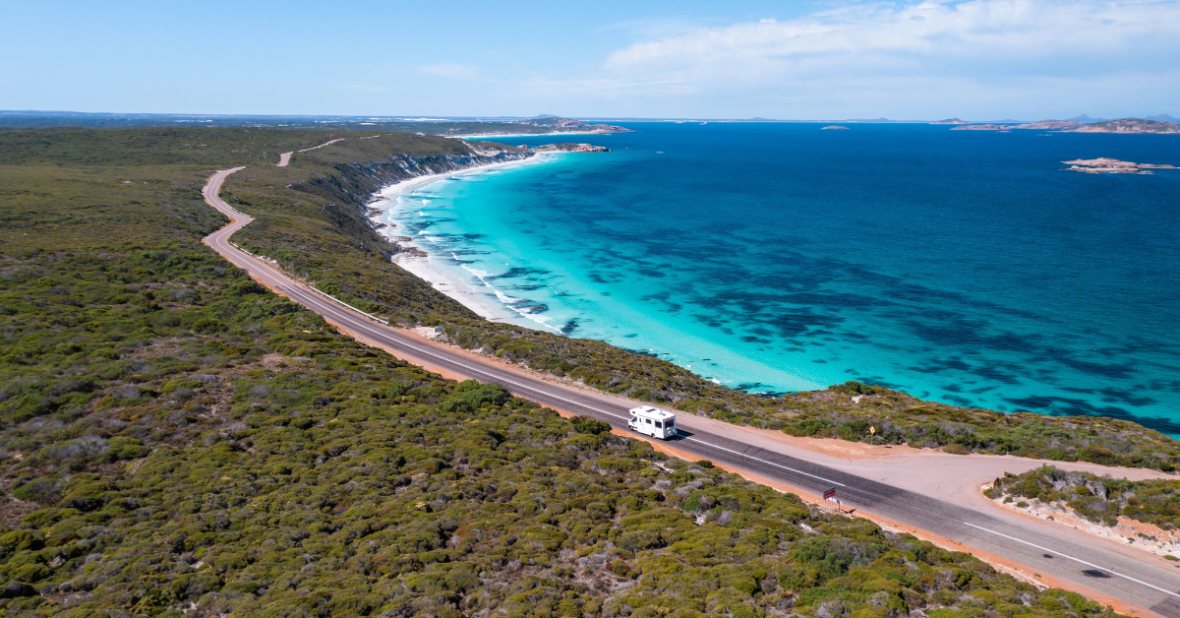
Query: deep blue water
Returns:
{"type": "Point", "coordinates": [963, 267]}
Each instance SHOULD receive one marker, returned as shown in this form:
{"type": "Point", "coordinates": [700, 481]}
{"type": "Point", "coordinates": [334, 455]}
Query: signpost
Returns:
{"type": "Point", "coordinates": [872, 433]}
{"type": "Point", "coordinates": [830, 495]}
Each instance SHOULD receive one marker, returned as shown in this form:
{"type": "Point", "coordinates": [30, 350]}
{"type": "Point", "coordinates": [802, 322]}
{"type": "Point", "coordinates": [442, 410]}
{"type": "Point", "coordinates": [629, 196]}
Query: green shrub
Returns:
{"type": "Point", "coordinates": [585, 424]}
{"type": "Point", "coordinates": [44, 491]}
{"type": "Point", "coordinates": [126, 448]}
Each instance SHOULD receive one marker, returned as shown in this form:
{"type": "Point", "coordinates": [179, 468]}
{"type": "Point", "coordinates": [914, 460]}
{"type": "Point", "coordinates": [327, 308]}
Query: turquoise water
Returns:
{"type": "Point", "coordinates": [963, 267]}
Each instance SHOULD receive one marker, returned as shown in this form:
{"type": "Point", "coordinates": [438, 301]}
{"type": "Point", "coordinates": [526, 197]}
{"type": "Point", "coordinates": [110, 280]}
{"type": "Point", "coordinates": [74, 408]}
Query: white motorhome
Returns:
{"type": "Point", "coordinates": [654, 422]}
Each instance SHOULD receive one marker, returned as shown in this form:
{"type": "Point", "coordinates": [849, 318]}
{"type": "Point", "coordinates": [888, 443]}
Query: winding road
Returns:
{"type": "Point", "coordinates": [1099, 569]}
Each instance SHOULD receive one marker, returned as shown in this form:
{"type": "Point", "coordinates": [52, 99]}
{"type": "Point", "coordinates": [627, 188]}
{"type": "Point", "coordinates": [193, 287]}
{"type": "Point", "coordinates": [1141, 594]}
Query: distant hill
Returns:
{"type": "Point", "coordinates": [1086, 119]}
{"type": "Point", "coordinates": [950, 121]}
{"type": "Point", "coordinates": [1163, 118]}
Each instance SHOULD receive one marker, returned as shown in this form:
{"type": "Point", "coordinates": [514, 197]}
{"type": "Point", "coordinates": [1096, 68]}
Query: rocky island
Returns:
{"type": "Point", "coordinates": [1130, 125]}
{"type": "Point", "coordinates": [983, 127]}
{"type": "Point", "coordinates": [833, 127]}
{"type": "Point", "coordinates": [950, 121]}
{"type": "Point", "coordinates": [1126, 125]}
{"type": "Point", "coordinates": [1113, 166]}
{"type": "Point", "coordinates": [571, 147]}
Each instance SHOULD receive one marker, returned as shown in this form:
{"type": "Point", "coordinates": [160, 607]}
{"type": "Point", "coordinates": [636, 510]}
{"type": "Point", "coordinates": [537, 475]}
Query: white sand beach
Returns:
{"type": "Point", "coordinates": [422, 263]}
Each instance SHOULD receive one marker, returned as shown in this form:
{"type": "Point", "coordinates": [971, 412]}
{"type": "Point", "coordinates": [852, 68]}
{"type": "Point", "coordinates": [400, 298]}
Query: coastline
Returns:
{"type": "Point", "coordinates": [419, 262]}
{"type": "Point", "coordinates": [490, 135]}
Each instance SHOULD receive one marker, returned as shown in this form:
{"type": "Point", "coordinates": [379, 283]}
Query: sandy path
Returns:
{"type": "Point", "coordinates": [285, 158]}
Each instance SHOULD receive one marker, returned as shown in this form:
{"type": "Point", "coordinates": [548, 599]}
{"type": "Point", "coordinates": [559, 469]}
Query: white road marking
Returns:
{"type": "Point", "coordinates": [1078, 560]}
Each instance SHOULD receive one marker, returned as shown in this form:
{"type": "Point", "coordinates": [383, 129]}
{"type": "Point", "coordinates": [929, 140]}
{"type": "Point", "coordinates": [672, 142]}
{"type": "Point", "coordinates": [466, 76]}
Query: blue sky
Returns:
{"type": "Point", "coordinates": [978, 59]}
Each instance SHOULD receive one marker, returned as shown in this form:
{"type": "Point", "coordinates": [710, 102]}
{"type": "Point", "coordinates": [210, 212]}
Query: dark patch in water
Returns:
{"type": "Point", "coordinates": [759, 389]}
{"type": "Point", "coordinates": [955, 399]}
{"type": "Point", "coordinates": [1115, 371]}
{"type": "Point", "coordinates": [569, 326]}
{"type": "Point", "coordinates": [1114, 395]}
{"type": "Point", "coordinates": [517, 272]}
{"type": "Point", "coordinates": [529, 306]}
{"type": "Point", "coordinates": [1065, 406]}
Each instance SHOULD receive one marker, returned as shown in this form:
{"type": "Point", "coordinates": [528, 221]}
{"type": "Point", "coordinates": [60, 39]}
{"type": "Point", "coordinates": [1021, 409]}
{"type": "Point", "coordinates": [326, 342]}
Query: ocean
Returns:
{"type": "Point", "coordinates": [959, 266]}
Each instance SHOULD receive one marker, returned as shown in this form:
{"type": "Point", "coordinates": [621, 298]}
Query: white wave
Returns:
{"type": "Point", "coordinates": [511, 302]}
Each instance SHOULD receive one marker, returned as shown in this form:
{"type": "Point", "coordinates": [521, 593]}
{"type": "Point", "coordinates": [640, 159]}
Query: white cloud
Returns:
{"type": "Point", "coordinates": [939, 48]}
{"type": "Point", "coordinates": [452, 70]}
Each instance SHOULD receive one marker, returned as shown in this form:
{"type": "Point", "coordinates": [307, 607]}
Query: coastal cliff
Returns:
{"type": "Point", "coordinates": [353, 184]}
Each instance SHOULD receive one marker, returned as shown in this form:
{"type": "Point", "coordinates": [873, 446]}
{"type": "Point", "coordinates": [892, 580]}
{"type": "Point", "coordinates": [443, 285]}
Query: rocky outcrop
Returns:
{"type": "Point", "coordinates": [1113, 166]}
{"type": "Point", "coordinates": [833, 127]}
{"type": "Point", "coordinates": [1130, 125]}
{"type": "Point", "coordinates": [1051, 125]}
{"type": "Point", "coordinates": [950, 121]}
{"type": "Point", "coordinates": [1126, 125]}
{"type": "Point", "coordinates": [983, 127]}
{"type": "Point", "coordinates": [572, 147]}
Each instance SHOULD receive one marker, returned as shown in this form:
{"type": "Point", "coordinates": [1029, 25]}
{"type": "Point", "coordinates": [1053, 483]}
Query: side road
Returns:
{"type": "Point", "coordinates": [1098, 570]}
{"type": "Point", "coordinates": [285, 157]}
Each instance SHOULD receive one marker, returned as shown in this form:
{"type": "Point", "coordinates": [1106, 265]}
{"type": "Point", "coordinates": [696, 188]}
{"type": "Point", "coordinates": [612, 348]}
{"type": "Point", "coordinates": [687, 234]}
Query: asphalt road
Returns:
{"type": "Point", "coordinates": [1098, 567]}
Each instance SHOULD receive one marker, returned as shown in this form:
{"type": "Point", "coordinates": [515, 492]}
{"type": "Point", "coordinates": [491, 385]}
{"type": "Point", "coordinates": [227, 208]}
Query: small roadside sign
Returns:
{"type": "Point", "coordinates": [873, 429]}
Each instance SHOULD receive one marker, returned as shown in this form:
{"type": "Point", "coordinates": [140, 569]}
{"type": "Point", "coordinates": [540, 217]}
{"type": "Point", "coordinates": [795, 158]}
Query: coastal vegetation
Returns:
{"type": "Point", "coordinates": [541, 125]}
{"type": "Point", "coordinates": [177, 440]}
{"type": "Point", "coordinates": [311, 217]}
{"type": "Point", "coordinates": [1101, 500]}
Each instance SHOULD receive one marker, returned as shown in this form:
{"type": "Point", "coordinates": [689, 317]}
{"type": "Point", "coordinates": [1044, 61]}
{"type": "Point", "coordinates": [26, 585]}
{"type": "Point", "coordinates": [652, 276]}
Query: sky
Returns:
{"type": "Point", "coordinates": [828, 59]}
